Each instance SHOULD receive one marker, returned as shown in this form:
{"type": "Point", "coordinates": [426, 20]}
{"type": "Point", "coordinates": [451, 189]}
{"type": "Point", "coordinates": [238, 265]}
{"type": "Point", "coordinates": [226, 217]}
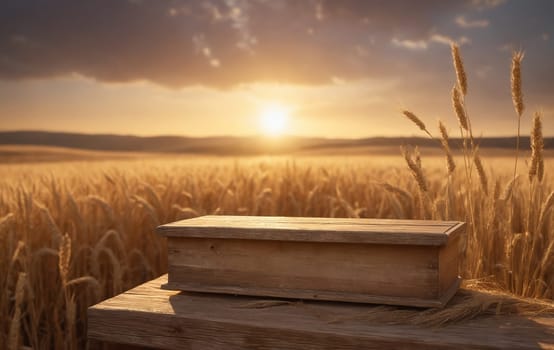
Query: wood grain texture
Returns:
{"type": "Point", "coordinates": [358, 260]}
{"type": "Point", "coordinates": [449, 259]}
{"type": "Point", "coordinates": [149, 316]}
{"type": "Point", "coordinates": [338, 230]}
{"type": "Point", "coordinates": [314, 294]}
{"type": "Point", "coordinates": [324, 271]}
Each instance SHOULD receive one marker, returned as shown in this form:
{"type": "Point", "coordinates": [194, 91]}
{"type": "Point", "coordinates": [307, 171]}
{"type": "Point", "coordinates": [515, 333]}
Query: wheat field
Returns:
{"type": "Point", "coordinates": [75, 233]}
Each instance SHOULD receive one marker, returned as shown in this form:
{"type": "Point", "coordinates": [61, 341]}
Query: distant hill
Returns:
{"type": "Point", "coordinates": [227, 145]}
{"type": "Point", "coordinates": [33, 154]}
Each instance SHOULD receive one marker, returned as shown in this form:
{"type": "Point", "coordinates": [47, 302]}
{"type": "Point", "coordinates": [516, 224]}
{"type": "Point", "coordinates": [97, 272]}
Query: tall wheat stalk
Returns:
{"type": "Point", "coordinates": [520, 248]}
{"type": "Point", "coordinates": [517, 98]}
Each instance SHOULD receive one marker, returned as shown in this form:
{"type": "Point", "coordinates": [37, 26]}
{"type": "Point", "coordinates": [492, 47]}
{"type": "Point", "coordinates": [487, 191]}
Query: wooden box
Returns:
{"type": "Point", "coordinates": [397, 262]}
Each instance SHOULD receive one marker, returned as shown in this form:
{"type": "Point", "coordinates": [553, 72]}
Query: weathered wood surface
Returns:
{"type": "Point", "coordinates": [449, 261]}
{"type": "Point", "coordinates": [397, 262]}
{"type": "Point", "coordinates": [389, 274]}
{"type": "Point", "coordinates": [338, 230]}
{"type": "Point", "coordinates": [149, 316]}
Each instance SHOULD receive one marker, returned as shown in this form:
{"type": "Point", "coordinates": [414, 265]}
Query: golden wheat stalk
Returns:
{"type": "Point", "coordinates": [52, 226]}
{"type": "Point", "coordinates": [458, 105]}
{"type": "Point", "coordinates": [444, 133]}
{"type": "Point", "coordinates": [537, 146]}
{"type": "Point", "coordinates": [508, 189]}
{"type": "Point", "coordinates": [14, 337]}
{"type": "Point", "coordinates": [517, 98]}
{"type": "Point", "coordinates": [517, 93]}
{"type": "Point", "coordinates": [450, 164]}
{"type": "Point", "coordinates": [545, 208]}
{"type": "Point", "coordinates": [540, 170]}
{"type": "Point", "coordinates": [64, 256]}
{"type": "Point", "coordinates": [417, 172]}
{"type": "Point", "coordinates": [417, 156]}
{"type": "Point", "coordinates": [481, 172]}
{"type": "Point", "coordinates": [417, 121]}
{"type": "Point", "coordinates": [459, 68]}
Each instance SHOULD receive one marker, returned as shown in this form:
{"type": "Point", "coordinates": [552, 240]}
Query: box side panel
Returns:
{"type": "Point", "coordinates": [449, 260]}
{"type": "Point", "coordinates": [240, 266]}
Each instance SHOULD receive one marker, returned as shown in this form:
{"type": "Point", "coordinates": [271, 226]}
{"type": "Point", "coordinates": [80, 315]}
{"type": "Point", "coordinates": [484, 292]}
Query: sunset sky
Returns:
{"type": "Point", "coordinates": [330, 68]}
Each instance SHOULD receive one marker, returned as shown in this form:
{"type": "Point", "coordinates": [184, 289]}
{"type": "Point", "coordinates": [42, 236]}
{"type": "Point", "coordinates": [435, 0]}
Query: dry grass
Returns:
{"type": "Point", "coordinates": [72, 234]}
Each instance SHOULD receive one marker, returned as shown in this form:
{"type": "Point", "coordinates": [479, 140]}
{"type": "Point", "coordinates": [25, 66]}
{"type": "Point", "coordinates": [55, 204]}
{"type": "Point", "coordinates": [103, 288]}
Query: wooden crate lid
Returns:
{"type": "Point", "coordinates": [299, 229]}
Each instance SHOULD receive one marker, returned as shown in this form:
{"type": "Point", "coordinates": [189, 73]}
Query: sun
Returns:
{"type": "Point", "coordinates": [274, 119]}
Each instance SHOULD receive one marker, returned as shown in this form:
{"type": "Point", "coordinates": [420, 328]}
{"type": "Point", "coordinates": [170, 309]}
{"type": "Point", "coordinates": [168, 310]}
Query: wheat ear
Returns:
{"type": "Point", "coordinates": [481, 171]}
{"type": "Point", "coordinates": [64, 256]}
{"type": "Point", "coordinates": [517, 94]}
{"type": "Point", "coordinates": [450, 165]}
{"type": "Point", "coordinates": [459, 108]}
{"type": "Point", "coordinates": [416, 170]}
{"type": "Point", "coordinates": [459, 67]}
{"type": "Point", "coordinates": [517, 97]}
{"type": "Point", "coordinates": [415, 119]}
{"type": "Point", "coordinates": [537, 145]}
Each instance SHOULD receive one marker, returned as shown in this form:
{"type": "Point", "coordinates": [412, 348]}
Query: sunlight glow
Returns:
{"type": "Point", "coordinates": [274, 119]}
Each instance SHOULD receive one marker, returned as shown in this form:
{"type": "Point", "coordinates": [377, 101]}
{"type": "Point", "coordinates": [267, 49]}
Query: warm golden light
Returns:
{"type": "Point", "coordinates": [274, 119]}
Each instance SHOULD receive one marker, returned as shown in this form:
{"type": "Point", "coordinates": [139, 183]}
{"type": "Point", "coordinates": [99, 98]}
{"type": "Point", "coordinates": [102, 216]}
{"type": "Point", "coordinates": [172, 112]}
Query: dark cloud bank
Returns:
{"type": "Point", "coordinates": [213, 43]}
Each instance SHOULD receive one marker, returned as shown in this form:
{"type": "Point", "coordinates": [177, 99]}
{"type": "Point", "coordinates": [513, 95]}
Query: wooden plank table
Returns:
{"type": "Point", "coordinates": [153, 317]}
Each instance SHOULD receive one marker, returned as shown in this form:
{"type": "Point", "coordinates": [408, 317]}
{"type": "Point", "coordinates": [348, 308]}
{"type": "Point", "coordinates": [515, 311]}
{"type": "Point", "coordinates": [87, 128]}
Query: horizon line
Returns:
{"type": "Point", "coordinates": [284, 136]}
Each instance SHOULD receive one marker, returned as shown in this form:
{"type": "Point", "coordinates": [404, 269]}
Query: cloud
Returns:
{"type": "Point", "coordinates": [410, 44]}
{"type": "Point", "coordinates": [464, 23]}
{"type": "Point", "coordinates": [486, 4]}
{"type": "Point", "coordinates": [446, 40]}
{"type": "Point", "coordinates": [218, 43]}
{"type": "Point", "coordinates": [419, 45]}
